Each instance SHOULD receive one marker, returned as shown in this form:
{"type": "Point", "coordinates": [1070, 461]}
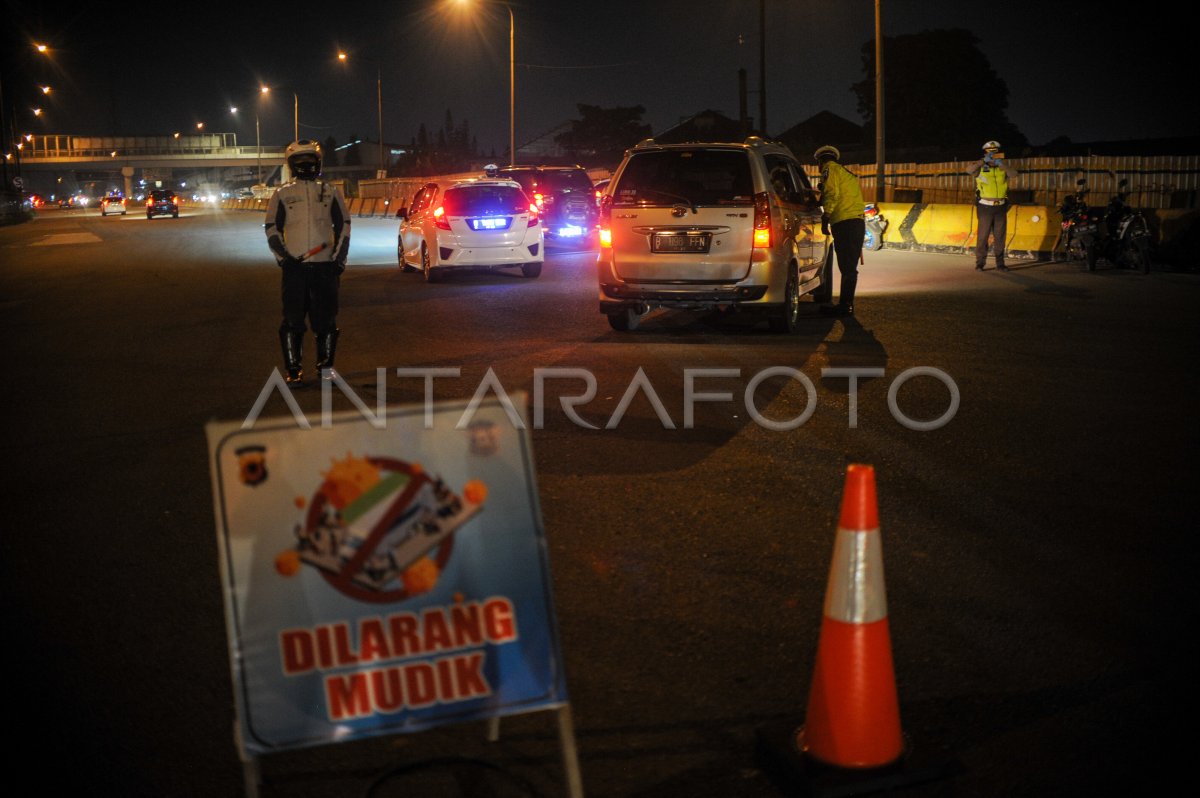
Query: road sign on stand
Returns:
{"type": "Point", "coordinates": [384, 576]}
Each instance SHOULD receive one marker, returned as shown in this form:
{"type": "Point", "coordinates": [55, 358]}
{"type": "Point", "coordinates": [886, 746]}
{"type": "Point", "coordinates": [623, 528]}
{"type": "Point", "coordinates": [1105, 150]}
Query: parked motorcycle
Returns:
{"type": "Point", "coordinates": [1118, 233]}
{"type": "Point", "coordinates": [1080, 235]}
{"type": "Point", "coordinates": [876, 225]}
{"type": "Point", "coordinates": [1126, 236]}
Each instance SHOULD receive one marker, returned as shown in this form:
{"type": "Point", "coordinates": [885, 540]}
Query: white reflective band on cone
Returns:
{"type": "Point", "coordinates": [855, 593]}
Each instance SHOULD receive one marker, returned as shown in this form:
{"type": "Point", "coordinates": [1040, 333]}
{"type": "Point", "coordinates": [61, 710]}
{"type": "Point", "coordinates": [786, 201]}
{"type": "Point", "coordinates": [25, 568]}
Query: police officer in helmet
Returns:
{"type": "Point", "coordinates": [991, 175]}
{"type": "Point", "coordinates": [842, 205]}
{"type": "Point", "coordinates": [308, 230]}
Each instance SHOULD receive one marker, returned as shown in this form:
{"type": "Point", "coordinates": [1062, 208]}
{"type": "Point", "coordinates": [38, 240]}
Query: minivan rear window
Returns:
{"type": "Point", "coordinates": [700, 177]}
{"type": "Point", "coordinates": [483, 200]}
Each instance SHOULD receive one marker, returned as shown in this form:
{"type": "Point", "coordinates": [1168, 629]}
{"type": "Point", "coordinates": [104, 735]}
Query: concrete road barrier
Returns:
{"type": "Point", "coordinates": [942, 227]}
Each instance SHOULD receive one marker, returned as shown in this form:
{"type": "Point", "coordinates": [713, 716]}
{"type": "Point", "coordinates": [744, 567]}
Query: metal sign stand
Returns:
{"type": "Point", "coordinates": [251, 776]}
{"type": "Point", "coordinates": [566, 741]}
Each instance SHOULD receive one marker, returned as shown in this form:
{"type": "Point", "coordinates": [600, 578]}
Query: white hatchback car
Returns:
{"type": "Point", "coordinates": [473, 223]}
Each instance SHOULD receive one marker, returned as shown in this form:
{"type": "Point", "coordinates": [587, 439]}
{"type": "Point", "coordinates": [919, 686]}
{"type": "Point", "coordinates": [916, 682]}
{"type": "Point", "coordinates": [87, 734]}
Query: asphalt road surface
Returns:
{"type": "Point", "coordinates": [1039, 544]}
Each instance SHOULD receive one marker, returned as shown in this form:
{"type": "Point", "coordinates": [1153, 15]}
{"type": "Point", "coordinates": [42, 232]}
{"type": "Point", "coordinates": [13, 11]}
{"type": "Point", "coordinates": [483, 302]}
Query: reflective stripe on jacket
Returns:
{"type": "Point", "coordinates": [305, 214]}
{"type": "Point", "coordinates": [841, 197]}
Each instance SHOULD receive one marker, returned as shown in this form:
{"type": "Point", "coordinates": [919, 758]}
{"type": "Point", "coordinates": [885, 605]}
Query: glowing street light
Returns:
{"type": "Point", "coordinates": [45, 89]}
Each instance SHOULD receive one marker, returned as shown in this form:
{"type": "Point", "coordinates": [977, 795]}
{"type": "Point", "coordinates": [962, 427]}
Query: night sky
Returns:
{"type": "Point", "coordinates": [1090, 71]}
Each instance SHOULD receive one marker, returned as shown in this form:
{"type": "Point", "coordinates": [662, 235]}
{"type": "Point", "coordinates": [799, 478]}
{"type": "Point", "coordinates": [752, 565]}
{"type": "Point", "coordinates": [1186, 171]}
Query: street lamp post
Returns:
{"type": "Point", "coordinates": [295, 111]}
{"type": "Point", "coordinates": [512, 84]}
{"type": "Point", "coordinates": [257, 143]}
{"type": "Point", "coordinates": [343, 57]}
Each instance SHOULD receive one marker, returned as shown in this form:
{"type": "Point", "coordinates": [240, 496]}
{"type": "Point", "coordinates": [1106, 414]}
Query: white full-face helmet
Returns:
{"type": "Point", "coordinates": [304, 159]}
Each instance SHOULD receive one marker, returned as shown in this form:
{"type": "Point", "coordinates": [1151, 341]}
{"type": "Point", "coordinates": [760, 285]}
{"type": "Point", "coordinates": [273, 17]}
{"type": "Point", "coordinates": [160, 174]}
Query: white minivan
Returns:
{"type": "Point", "coordinates": [712, 225]}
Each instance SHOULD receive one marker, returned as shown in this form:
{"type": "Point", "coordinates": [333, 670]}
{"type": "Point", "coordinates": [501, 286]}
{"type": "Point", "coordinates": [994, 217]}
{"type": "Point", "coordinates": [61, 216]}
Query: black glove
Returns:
{"type": "Point", "coordinates": [288, 260]}
{"type": "Point", "coordinates": [824, 224]}
{"type": "Point", "coordinates": [339, 266]}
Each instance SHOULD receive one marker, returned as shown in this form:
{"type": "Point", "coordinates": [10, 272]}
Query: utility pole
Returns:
{"type": "Point", "coordinates": [880, 194]}
{"type": "Point", "coordinates": [762, 66]}
{"type": "Point", "coordinates": [3, 134]}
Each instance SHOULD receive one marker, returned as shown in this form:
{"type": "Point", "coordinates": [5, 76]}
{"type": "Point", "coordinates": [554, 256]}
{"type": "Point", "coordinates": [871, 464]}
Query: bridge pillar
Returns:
{"type": "Point", "coordinates": [127, 173]}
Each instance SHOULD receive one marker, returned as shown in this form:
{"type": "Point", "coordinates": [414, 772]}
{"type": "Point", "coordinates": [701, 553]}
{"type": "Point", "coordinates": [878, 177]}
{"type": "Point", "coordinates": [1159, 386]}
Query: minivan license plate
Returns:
{"type": "Point", "coordinates": [679, 242]}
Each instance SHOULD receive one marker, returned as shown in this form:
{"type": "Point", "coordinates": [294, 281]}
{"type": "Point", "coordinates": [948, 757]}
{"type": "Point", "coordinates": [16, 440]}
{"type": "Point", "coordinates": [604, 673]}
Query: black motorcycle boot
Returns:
{"type": "Point", "coordinates": [293, 356]}
{"type": "Point", "coordinates": [326, 349]}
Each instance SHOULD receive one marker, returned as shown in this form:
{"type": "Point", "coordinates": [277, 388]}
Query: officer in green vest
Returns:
{"type": "Point", "coordinates": [842, 206]}
{"type": "Point", "coordinates": [991, 175]}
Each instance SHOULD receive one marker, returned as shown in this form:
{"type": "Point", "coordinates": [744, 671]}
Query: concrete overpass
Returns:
{"type": "Point", "coordinates": [213, 154]}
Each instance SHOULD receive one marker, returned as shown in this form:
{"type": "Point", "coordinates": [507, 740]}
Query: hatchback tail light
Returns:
{"type": "Point", "coordinates": [439, 218]}
{"type": "Point", "coordinates": [533, 215]}
{"type": "Point", "coordinates": [762, 220]}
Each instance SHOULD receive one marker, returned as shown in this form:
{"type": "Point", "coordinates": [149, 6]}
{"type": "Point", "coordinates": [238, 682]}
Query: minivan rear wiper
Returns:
{"type": "Point", "coordinates": [685, 200]}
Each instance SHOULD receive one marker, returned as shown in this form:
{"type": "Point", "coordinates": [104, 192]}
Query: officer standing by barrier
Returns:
{"type": "Point", "coordinates": [991, 175]}
{"type": "Point", "coordinates": [842, 202]}
{"type": "Point", "coordinates": [308, 229]}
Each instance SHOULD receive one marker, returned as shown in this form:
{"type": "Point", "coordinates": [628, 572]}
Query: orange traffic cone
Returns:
{"type": "Point", "coordinates": [853, 712]}
{"type": "Point", "coordinates": [851, 742]}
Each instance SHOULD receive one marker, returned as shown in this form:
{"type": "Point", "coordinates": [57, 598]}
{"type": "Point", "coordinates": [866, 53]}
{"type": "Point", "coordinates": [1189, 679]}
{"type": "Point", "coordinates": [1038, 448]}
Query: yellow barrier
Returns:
{"type": "Point", "coordinates": [1171, 223]}
{"type": "Point", "coordinates": [944, 226]}
{"type": "Point", "coordinates": [1032, 228]}
{"type": "Point", "coordinates": [895, 213]}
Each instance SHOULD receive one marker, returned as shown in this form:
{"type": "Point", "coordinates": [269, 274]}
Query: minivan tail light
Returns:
{"type": "Point", "coordinates": [439, 218]}
{"type": "Point", "coordinates": [762, 220]}
{"type": "Point", "coordinates": [604, 224]}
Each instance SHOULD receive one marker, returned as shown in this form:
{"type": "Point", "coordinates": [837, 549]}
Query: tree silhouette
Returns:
{"type": "Point", "coordinates": [351, 156]}
{"type": "Point", "coordinates": [329, 151]}
{"type": "Point", "coordinates": [939, 91]}
{"type": "Point", "coordinates": [603, 134]}
{"type": "Point", "coordinates": [452, 148]}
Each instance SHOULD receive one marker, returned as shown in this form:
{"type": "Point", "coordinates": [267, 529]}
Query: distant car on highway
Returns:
{"type": "Point", "coordinates": [112, 205]}
{"type": "Point", "coordinates": [162, 202]}
{"type": "Point", "coordinates": [470, 223]}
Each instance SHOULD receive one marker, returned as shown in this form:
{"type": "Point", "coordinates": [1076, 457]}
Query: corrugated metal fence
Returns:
{"type": "Point", "coordinates": [1159, 181]}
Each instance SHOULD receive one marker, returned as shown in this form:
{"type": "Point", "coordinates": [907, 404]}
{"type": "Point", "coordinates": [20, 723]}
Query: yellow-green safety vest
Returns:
{"type": "Point", "coordinates": [841, 197]}
{"type": "Point", "coordinates": [991, 183]}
